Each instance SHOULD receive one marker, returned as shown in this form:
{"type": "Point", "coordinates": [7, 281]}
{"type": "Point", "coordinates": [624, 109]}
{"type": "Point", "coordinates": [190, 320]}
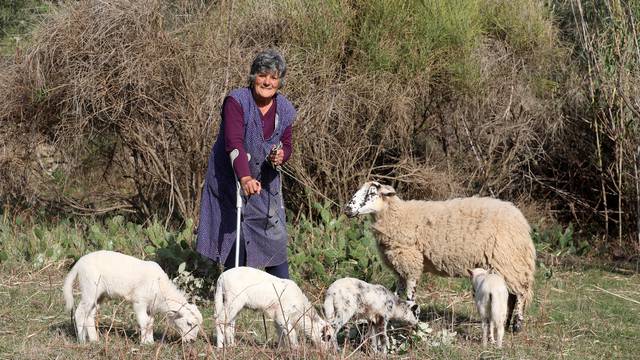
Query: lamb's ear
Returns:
{"type": "Point", "coordinates": [173, 315]}
{"type": "Point", "coordinates": [470, 273]}
{"type": "Point", "coordinates": [415, 309]}
{"type": "Point", "coordinates": [326, 333]}
{"type": "Point", "coordinates": [386, 190]}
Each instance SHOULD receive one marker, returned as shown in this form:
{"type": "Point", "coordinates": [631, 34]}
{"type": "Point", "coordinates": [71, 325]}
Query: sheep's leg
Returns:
{"type": "Point", "coordinates": [519, 314]}
{"type": "Point", "coordinates": [511, 304]}
{"type": "Point", "coordinates": [408, 264]}
{"type": "Point", "coordinates": [145, 322]}
{"type": "Point", "coordinates": [485, 332]}
{"type": "Point", "coordinates": [411, 289]}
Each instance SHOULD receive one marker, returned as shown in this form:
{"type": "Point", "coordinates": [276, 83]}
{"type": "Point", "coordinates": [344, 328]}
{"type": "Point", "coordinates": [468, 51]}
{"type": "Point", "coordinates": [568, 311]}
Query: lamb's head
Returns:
{"type": "Point", "coordinates": [406, 311]}
{"type": "Point", "coordinates": [187, 319]}
{"type": "Point", "coordinates": [476, 275]}
{"type": "Point", "coordinates": [325, 334]}
{"type": "Point", "coordinates": [370, 198]}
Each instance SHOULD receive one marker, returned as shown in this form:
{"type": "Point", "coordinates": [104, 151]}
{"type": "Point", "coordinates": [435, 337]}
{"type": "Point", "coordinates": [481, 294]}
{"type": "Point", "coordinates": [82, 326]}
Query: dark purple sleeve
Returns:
{"type": "Point", "coordinates": [232, 116]}
{"type": "Point", "coordinates": [287, 146]}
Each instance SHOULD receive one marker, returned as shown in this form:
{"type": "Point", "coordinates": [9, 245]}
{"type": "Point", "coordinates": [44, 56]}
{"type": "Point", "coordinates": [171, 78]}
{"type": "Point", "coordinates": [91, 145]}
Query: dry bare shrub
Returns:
{"type": "Point", "coordinates": [129, 93]}
{"type": "Point", "coordinates": [113, 90]}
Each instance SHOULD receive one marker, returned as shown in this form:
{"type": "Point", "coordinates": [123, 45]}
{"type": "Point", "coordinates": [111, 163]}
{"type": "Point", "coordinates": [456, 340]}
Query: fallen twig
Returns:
{"type": "Point", "coordinates": [617, 295]}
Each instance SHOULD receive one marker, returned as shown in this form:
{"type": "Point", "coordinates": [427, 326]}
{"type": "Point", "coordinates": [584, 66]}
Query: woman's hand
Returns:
{"type": "Point", "coordinates": [277, 158]}
{"type": "Point", "coordinates": [250, 185]}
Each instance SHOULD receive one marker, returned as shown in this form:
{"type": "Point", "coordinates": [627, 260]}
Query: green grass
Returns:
{"type": "Point", "coordinates": [573, 317]}
{"type": "Point", "coordinates": [17, 18]}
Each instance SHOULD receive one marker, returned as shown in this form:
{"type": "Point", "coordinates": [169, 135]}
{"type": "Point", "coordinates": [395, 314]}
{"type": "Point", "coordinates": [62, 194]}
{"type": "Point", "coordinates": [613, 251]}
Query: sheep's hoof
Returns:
{"type": "Point", "coordinates": [516, 326]}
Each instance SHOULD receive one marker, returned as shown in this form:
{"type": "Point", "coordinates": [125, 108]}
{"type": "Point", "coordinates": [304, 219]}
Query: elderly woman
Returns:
{"type": "Point", "coordinates": [256, 121]}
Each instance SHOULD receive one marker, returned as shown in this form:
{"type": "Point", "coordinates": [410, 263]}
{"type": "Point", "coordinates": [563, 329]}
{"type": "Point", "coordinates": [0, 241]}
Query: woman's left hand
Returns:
{"type": "Point", "coordinates": [277, 158]}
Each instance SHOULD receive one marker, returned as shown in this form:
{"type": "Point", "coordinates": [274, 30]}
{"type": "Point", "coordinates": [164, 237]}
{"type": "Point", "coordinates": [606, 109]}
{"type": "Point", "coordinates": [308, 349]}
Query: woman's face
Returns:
{"type": "Point", "coordinates": [266, 84]}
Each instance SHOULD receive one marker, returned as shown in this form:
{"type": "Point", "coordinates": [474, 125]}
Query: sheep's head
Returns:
{"type": "Point", "coordinates": [368, 199]}
{"type": "Point", "coordinates": [187, 319]}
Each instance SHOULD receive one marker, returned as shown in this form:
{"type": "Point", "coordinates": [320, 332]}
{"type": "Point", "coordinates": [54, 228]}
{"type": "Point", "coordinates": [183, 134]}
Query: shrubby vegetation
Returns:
{"type": "Point", "coordinates": [112, 107]}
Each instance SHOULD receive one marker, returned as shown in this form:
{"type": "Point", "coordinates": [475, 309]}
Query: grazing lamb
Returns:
{"type": "Point", "coordinates": [348, 297]}
{"type": "Point", "coordinates": [279, 299]}
{"type": "Point", "coordinates": [491, 296]}
{"type": "Point", "coordinates": [449, 237]}
{"type": "Point", "coordinates": [108, 274]}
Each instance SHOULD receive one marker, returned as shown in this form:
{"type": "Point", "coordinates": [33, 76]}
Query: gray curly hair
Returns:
{"type": "Point", "coordinates": [268, 61]}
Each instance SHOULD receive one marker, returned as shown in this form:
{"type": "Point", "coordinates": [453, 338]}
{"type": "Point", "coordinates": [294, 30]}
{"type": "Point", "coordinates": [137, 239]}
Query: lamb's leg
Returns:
{"type": "Point", "coordinates": [386, 344]}
{"type": "Point", "coordinates": [293, 338]}
{"type": "Point", "coordinates": [372, 334]}
{"type": "Point", "coordinates": [145, 322]}
{"type": "Point", "coordinates": [491, 331]}
{"type": "Point", "coordinates": [80, 319]}
{"type": "Point", "coordinates": [342, 316]}
{"type": "Point", "coordinates": [485, 331]}
{"type": "Point", "coordinates": [285, 332]}
{"type": "Point", "coordinates": [85, 317]}
{"type": "Point", "coordinates": [499, 334]}
{"type": "Point", "coordinates": [225, 324]}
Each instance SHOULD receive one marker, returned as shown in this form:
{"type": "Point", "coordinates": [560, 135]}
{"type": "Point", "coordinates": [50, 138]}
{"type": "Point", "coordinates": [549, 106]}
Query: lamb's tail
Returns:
{"type": "Point", "coordinates": [67, 289]}
{"type": "Point", "coordinates": [329, 309]}
{"type": "Point", "coordinates": [219, 297]}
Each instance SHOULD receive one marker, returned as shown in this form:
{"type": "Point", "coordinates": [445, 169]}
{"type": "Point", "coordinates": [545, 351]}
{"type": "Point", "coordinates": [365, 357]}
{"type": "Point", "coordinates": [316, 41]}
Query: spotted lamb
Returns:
{"type": "Point", "coordinates": [349, 298]}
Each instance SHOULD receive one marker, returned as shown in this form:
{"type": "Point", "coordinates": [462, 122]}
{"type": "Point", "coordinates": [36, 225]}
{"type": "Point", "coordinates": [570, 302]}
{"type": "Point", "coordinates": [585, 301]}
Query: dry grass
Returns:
{"type": "Point", "coordinates": [580, 312]}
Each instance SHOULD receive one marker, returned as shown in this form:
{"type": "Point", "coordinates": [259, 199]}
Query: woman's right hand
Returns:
{"type": "Point", "coordinates": [250, 185]}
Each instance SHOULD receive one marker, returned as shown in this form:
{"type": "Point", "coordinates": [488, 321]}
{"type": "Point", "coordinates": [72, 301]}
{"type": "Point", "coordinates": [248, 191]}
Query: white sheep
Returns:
{"type": "Point", "coordinates": [279, 299]}
{"type": "Point", "coordinates": [449, 237]}
{"type": "Point", "coordinates": [349, 298]}
{"type": "Point", "coordinates": [491, 296]}
{"type": "Point", "coordinates": [108, 274]}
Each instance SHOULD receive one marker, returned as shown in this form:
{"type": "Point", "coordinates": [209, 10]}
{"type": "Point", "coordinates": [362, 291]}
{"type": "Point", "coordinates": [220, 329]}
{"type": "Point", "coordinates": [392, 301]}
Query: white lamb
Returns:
{"type": "Point", "coordinates": [348, 298]}
{"type": "Point", "coordinates": [108, 274]}
{"type": "Point", "coordinates": [491, 296]}
{"type": "Point", "coordinates": [449, 237]}
{"type": "Point", "coordinates": [279, 299]}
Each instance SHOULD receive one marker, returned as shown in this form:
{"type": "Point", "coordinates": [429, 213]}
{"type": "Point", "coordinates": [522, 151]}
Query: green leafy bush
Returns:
{"type": "Point", "coordinates": [332, 247]}
{"type": "Point", "coordinates": [559, 240]}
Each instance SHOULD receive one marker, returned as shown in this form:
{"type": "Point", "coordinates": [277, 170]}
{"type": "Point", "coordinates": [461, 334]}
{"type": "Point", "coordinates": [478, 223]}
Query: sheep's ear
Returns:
{"type": "Point", "coordinates": [386, 190]}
